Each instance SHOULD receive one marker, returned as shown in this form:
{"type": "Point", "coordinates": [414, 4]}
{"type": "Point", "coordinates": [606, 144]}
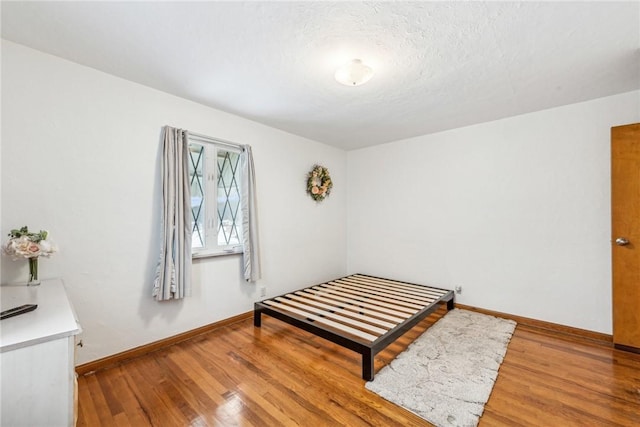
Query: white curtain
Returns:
{"type": "Point", "coordinates": [173, 276]}
{"type": "Point", "coordinates": [251, 255]}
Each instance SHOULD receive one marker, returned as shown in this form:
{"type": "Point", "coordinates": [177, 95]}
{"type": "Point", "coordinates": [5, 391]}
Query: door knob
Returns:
{"type": "Point", "coordinates": [621, 241]}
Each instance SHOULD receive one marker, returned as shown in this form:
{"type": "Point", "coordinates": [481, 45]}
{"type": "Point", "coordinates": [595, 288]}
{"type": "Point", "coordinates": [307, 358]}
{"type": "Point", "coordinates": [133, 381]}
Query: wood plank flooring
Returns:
{"type": "Point", "coordinates": [278, 375]}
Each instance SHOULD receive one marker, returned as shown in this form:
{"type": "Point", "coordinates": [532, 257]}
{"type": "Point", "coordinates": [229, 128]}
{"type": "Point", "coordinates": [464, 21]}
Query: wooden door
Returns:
{"type": "Point", "coordinates": [625, 239]}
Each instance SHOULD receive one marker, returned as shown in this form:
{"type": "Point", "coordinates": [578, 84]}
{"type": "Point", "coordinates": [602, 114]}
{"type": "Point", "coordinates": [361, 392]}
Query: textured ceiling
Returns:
{"type": "Point", "coordinates": [438, 65]}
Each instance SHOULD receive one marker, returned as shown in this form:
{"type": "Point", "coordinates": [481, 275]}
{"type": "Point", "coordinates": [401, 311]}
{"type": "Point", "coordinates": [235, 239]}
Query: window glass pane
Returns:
{"type": "Point", "coordinates": [196, 176]}
{"type": "Point", "coordinates": [229, 212]}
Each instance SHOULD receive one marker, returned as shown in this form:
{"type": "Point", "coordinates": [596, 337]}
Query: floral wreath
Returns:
{"type": "Point", "coordinates": [319, 183]}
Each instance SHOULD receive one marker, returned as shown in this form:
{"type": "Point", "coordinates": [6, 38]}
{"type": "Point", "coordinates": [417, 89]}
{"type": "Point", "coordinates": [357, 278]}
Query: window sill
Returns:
{"type": "Point", "coordinates": [233, 251]}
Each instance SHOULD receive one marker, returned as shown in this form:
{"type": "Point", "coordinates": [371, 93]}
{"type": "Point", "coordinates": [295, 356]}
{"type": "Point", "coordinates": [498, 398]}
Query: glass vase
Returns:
{"type": "Point", "coordinates": [33, 272]}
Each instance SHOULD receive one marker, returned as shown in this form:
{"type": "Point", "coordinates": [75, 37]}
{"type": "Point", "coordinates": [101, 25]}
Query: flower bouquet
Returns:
{"type": "Point", "coordinates": [24, 244]}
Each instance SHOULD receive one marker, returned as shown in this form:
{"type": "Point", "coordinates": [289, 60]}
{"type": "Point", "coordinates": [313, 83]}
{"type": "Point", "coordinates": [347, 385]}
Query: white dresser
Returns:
{"type": "Point", "coordinates": [37, 355]}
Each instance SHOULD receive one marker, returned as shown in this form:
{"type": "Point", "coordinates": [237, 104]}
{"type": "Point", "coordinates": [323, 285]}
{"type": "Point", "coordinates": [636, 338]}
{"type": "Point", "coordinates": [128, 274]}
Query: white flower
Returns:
{"type": "Point", "coordinates": [24, 244]}
{"type": "Point", "coordinates": [47, 247]}
{"type": "Point", "coordinates": [22, 247]}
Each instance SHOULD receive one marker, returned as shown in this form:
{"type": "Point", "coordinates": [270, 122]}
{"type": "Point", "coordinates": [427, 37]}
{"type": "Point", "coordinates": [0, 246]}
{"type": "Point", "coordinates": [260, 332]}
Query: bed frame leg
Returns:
{"type": "Point", "coordinates": [367, 366]}
{"type": "Point", "coordinates": [450, 304]}
{"type": "Point", "coordinates": [257, 317]}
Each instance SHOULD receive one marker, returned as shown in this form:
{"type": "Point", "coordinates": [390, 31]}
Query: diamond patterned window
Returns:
{"type": "Point", "coordinates": [196, 174]}
{"type": "Point", "coordinates": [228, 198]}
{"type": "Point", "coordinates": [214, 173]}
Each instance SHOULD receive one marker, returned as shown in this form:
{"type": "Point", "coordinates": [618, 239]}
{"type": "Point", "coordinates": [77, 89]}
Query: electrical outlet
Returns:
{"type": "Point", "coordinates": [263, 291]}
{"type": "Point", "coordinates": [458, 289]}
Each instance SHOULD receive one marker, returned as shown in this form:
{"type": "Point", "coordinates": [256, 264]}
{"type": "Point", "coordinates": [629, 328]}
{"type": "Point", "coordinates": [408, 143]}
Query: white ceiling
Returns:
{"type": "Point", "coordinates": [438, 65]}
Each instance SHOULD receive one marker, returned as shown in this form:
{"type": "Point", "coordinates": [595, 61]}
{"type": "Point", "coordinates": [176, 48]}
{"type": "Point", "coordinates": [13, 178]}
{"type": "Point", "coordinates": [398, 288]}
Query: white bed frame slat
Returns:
{"type": "Point", "coordinates": [327, 322]}
{"type": "Point", "coordinates": [339, 309]}
{"type": "Point", "coordinates": [399, 294]}
{"type": "Point", "coordinates": [403, 311]}
{"type": "Point", "coordinates": [330, 315]}
{"type": "Point", "coordinates": [360, 303]}
{"type": "Point", "coordinates": [417, 289]}
{"type": "Point", "coordinates": [374, 294]}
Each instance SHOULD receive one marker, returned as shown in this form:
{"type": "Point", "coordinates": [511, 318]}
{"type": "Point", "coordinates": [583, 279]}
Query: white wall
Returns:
{"type": "Point", "coordinates": [80, 157]}
{"type": "Point", "coordinates": [515, 211]}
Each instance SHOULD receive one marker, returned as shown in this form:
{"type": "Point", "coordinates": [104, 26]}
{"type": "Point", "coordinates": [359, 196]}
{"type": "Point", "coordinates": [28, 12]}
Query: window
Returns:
{"type": "Point", "coordinates": [214, 173]}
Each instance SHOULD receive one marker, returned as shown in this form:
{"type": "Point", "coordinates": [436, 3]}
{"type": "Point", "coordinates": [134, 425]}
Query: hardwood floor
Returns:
{"type": "Point", "coordinates": [278, 375]}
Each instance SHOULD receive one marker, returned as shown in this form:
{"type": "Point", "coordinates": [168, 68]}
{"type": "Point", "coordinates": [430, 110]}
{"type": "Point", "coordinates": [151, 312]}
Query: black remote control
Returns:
{"type": "Point", "coordinates": [18, 310]}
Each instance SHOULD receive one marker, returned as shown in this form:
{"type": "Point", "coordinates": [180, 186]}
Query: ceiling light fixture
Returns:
{"type": "Point", "coordinates": [354, 73]}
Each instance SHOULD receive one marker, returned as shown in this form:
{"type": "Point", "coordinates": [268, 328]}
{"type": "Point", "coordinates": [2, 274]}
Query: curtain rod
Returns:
{"type": "Point", "coordinates": [206, 138]}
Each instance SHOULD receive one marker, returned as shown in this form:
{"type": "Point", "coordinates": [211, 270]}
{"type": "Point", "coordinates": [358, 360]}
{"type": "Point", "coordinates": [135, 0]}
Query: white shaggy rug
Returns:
{"type": "Point", "coordinates": [446, 375]}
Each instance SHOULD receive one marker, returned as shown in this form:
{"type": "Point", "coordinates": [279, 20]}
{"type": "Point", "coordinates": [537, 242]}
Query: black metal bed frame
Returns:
{"type": "Point", "coordinates": [368, 350]}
